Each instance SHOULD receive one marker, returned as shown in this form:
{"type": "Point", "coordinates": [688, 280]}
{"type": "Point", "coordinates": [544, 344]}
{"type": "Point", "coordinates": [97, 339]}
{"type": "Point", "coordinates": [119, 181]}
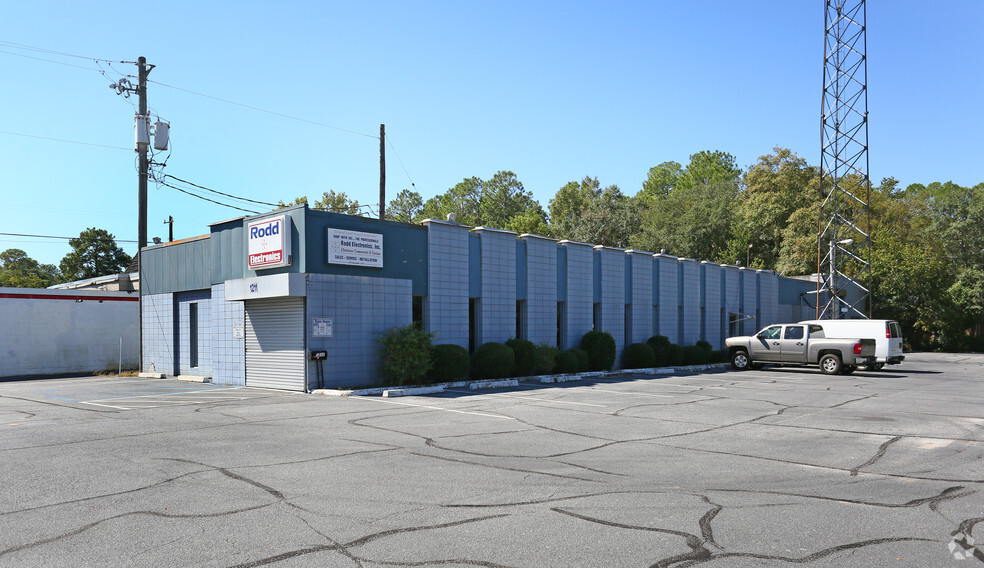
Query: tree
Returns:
{"type": "Point", "coordinates": [462, 200]}
{"type": "Point", "coordinates": [501, 202]}
{"type": "Point", "coordinates": [94, 254]}
{"type": "Point", "coordinates": [296, 201]}
{"type": "Point", "coordinates": [17, 270]}
{"type": "Point", "coordinates": [688, 211]}
{"type": "Point", "coordinates": [693, 222]}
{"type": "Point", "coordinates": [406, 207]}
{"type": "Point", "coordinates": [610, 219]}
{"type": "Point", "coordinates": [337, 203]}
{"type": "Point", "coordinates": [569, 205]}
{"type": "Point", "coordinates": [776, 214]}
{"type": "Point", "coordinates": [661, 180]}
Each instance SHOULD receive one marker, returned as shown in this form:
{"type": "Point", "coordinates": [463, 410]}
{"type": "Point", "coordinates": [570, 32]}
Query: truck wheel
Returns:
{"type": "Point", "coordinates": [848, 369]}
{"type": "Point", "coordinates": [830, 364]}
{"type": "Point", "coordinates": [740, 360]}
{"type": "Point", "coordinates": [874, 367]}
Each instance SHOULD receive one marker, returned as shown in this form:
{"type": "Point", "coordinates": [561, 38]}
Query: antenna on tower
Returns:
{"type": "Point", "coordinates": [844, 228]}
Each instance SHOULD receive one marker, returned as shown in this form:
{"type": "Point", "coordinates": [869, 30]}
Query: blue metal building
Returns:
{"type": "Point", "coordinates": [248, 303]}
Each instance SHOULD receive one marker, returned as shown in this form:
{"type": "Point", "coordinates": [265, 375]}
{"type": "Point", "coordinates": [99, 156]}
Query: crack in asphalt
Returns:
{"type": "Point", "coordinates": [158, 514]}
{"type": "Point", "coordinates": [878, 455]}
{"type": "Point", "coordinates": [819, 466]}
{"type": "Point", "coordinates": [667, 562]}
{"type": "Point", "coordinates": [375, 536]}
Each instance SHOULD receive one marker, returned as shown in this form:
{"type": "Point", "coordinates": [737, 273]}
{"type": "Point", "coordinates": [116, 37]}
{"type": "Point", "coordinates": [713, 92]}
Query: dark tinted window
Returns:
{"type": "Point", "coordinates": [816, 331]}
{"type": "Point", "coordinates": [793, 332]}
{"type": "Point", "coordinates": [895, 329]}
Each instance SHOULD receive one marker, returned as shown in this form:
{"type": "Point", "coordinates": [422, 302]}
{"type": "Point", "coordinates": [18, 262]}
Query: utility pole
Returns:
{"type": "Point", "coordinates": [170, 228]}
{"type": "Point", "coordinates": [382, 171]}
{"type": "Point", "coordinates": [142, 73]}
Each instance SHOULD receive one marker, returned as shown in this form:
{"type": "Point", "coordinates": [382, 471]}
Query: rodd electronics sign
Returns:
{"type": "Point", "coordinates": [268, 242]}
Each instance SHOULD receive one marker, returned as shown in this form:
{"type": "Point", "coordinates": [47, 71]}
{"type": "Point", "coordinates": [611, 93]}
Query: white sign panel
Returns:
{"type": "Point", "coordinates": [355, 248]}
{"type": "Point", "coordinates": [268, 242]}
{"type": "Point", "coordinates": [323, 327]}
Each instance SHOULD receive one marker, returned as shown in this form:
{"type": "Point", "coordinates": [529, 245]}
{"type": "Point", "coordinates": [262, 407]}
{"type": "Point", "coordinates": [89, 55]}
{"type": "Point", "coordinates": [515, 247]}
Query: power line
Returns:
{"type": "Point", "coordinates": [62, 238]}
{"type": "Point", "coordinates": [164, 183]}
{"type": "Point", "coordinates": [280, 114]}
{"type": "Point", "coordinates": [53, 52]}
{"type": "Point", "coordinates": [66, 141]}
{"type": "Point", "coordinates": [390, 140]}
{"type": "Point", "coordinates": [221, 193]}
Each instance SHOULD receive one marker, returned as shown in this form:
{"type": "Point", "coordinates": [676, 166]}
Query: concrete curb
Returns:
{"type": "Point", "coordinates": [151, 375]}
{"type": "Point", "coordinates": [193, 379]}
{"type": "Point", "coordinates": [415, 390]}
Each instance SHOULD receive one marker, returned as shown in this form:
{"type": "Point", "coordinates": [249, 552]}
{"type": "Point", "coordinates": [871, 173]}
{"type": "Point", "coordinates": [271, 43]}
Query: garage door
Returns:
{"type": "Point", "coordinates": [275, 344]}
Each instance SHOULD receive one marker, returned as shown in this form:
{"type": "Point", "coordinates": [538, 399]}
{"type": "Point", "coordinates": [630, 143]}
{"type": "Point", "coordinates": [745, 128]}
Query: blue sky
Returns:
{"type": "Point", "coordinates": [553, 91]}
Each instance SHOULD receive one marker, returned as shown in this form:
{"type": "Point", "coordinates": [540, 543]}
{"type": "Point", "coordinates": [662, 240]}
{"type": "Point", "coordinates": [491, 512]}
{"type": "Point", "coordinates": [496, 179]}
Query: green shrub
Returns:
{"type": "Point", "coordinates": [546, 359]}
{"type": "Point", "coordinates": [719, 356]}
{"type": "Point", "coordinates": [600, 346]}
{"type": "Point", "coordinates": [449, 362]}
{"type": "Point", "coordinates": [661, 348]}
{"type": "Point", "coordinates": [694, 355]}
{"type": "Point", "coordinates": [674, 354]}
{"type": "Point", "coordinates": [567, 362]}
{"type": "Point", "coordinates": [405, 354]}
{"type": "Point", "coordinates": [638, 356]}
{"type": "Point", "coordinates": [525, 353]}
{"type": "Point", "coordinates": [705, 345]}
{"type": "Point", "coordinates": [493, 361]}
{"type": "Point", "coordinates": [582, 359]}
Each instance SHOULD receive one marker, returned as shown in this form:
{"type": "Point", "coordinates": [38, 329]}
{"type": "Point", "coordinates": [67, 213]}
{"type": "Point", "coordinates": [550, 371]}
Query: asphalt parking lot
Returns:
{"type": "Point", "coordinates": [759, 468]}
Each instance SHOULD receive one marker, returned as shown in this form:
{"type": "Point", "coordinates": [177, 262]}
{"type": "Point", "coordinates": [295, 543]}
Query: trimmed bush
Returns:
{"type": "Point", "coordinates": [525, 353]}
{"type": "Point", "coordinates": [661, 348]}
{"type": "Point", "coordinates": [600, 346]}
{"type": "Point", "coordinates": [705, 345]}
{"type": "Point", "coordinates": [638, 356]}
{"type": "Point", "coordinates": [449, 362]}
{"type": "Point", "coordinates": [405, 354]}
{"type": "Point", "coordinates": [694, 355]}
{"type": "Point", "coordinates": [567, 362]}
{"type": "Point", "coordinates": [493, 361]}
{"type": "Point", "coordinates": [582, 359]}
{"type": "Point", "coordinates": [719, 356]}
{"type": "Point", "coordinates": [546, 359]}
{"type": "Point", "coordinates": [674, 354]}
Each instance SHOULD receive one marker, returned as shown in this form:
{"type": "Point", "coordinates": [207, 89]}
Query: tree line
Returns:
{"type": "Point", "coordinates": [94, 253]}
{"type": "Point", "coordinates": [927, 247]}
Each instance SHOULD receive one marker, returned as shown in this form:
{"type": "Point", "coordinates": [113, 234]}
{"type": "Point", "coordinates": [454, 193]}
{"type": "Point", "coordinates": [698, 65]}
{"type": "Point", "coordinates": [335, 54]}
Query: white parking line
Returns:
{"type": "Point", "coordinates": [388, 401]}
{"type": "Point", "coordinates": [532, 398]}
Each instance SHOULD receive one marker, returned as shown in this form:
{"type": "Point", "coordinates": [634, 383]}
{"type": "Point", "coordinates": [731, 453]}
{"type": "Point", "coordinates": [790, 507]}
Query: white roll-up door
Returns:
{"type": "Point", "coordinates": [275, 343]}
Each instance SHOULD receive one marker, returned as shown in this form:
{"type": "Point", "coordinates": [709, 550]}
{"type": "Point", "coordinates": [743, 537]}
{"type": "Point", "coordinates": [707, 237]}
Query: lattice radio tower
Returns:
{"type": "Point", "coordinates": [844, 228]}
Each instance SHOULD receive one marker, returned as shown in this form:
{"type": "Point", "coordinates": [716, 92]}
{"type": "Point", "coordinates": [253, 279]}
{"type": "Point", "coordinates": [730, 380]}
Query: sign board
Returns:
{"type": "Point", "coordinates": [323, 327]}
{"type": "Point", "coordinates": [355, 248]}
{"type": "Point", "coordinates": [237, 331]}
{"type": "Point", "coordinates": [268, 242]}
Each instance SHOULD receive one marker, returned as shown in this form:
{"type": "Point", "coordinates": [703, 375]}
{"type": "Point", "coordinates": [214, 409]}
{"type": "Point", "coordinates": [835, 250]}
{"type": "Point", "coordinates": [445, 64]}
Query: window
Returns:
{"type": "Point", "coordinates": [193, 335]}
{"type": "Point", "coordinates": [473, 313]}
{"type": "Point", "coordinates": [520, 319]}
{"type": "Point", "coordinates": [816, 331]}
{"type": "Point", "coordinates": [560, 324]}
{"type": "Point", "coordinates": [773, 332]}
{"type": "Point", "coordinates": [417, 309]}
{"type": "Point", "coordinates": [793, 332]}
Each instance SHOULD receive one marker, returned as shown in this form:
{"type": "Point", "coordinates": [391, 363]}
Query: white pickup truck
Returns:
{"type": "Point", "coordinates": [800, 344]}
